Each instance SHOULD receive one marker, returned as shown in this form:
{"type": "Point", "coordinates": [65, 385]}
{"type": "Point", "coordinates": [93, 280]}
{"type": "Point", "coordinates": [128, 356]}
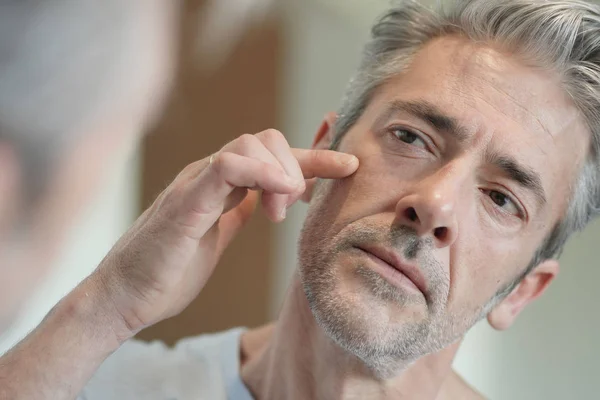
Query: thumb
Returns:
{"type": "Point", "coordinates": [232, 222]}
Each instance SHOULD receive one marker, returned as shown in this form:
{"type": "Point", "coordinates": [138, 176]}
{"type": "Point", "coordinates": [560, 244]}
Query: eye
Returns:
{"type": "Point", "coordinates": [409, 137]}
{"type": "Point", "coordinates": [504, 202]}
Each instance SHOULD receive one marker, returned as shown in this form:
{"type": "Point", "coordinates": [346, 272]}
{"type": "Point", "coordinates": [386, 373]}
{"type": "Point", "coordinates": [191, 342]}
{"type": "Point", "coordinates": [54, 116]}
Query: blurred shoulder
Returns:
{"type": "Point", "coordinates": [195, 368]}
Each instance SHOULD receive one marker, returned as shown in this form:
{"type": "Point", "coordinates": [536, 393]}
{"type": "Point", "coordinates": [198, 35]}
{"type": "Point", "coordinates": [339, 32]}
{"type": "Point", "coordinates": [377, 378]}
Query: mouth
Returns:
{"type": "Point", "coordinates": [391, 266]}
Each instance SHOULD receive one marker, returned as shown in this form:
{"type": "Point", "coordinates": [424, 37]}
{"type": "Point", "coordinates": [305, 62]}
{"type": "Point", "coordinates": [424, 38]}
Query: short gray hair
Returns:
{"type": "Point", "coordinates": [562, 35]}
{"type": "Point", "coordinates": [63, 64]}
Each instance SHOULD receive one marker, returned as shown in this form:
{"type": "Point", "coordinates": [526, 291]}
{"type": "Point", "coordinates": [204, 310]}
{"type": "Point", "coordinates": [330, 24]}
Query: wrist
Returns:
{"type": "Point", "coordinates": [58, 358]}
{"type": "Point", "coordinates": [92, 306]}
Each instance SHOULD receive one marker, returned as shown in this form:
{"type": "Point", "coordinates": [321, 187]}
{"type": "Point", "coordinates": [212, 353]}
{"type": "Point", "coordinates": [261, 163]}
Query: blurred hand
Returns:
{"type": "Point", "coordinates": [162, 263]}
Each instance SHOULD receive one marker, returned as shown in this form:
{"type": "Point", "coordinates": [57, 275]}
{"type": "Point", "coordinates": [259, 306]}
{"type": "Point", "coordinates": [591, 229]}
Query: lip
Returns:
{"type": "Point", "coordinates": [394, 260]}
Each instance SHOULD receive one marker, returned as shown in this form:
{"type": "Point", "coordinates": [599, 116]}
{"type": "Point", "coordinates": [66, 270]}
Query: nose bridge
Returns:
{"type": "Point", "coordinates": [440, 190]}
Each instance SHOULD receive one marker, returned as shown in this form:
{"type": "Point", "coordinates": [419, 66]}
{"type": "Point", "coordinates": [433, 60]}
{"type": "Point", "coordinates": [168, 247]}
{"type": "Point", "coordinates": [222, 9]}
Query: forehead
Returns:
{"type": "Point", "coordinates": [504, 106]}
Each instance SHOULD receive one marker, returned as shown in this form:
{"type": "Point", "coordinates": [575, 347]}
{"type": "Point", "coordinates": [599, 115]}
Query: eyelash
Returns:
{"type": "Point", "coordinates": [520, 212]}
{"type": "Point", "coordinates": [420, 136]}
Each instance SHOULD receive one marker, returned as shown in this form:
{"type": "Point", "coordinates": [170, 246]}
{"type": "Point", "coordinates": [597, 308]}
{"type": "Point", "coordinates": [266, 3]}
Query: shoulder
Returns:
{"type": "Point", "coordinates": [456, 388]}
{"type": "Point", "coordinates": [194, 367]}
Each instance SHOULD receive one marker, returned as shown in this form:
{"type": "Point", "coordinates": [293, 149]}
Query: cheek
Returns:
{"type": "Point", "coordinates": [376, 186]}
{"type": "Point", "coordinates": [368, 192]}
{"type": "Point", "coordinates": [480, 268]}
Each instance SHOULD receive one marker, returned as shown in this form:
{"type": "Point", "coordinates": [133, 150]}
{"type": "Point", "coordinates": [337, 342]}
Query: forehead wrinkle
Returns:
{"type": "Point", "coordinates": [519, 105]}
{"type": "Point", "coordinates": [473, 66]}
{"type": "Point", "coordinates": [485, 125]}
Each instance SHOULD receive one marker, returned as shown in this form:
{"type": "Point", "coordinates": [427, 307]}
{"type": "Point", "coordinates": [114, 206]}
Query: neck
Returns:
{"type": "Point", "coordinates": [298, 361]}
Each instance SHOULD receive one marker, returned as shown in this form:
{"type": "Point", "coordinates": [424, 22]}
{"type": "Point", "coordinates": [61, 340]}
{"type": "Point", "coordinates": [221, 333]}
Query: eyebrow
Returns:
{"type": "Point", "coordinates": [524, 176]}
{"type": "Point", "coordinates": [429, 113]}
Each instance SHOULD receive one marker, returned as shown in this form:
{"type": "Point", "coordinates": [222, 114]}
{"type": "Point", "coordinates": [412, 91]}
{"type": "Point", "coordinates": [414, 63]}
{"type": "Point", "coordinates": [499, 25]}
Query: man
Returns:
{"type": "Point", "coordinates": [468, 153]}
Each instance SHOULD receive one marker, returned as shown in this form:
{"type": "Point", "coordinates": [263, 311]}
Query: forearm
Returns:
{"type": "Point", "coordinates": [57, 359]}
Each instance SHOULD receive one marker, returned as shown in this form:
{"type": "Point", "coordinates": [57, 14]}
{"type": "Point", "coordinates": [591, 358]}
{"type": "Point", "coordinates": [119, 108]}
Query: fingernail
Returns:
{"type": "Point", "coordinates": [346, 159]}
{"type": "Point", "coordinates": [283, 213]}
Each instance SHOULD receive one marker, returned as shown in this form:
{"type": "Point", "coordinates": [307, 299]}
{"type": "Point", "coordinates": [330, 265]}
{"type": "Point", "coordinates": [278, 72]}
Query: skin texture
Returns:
{"type": "Point", "coordinates": [349, 328]}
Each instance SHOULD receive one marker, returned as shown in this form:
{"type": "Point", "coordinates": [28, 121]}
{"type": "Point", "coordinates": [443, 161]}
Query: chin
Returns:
{"type": "Point", "coordinates": [386, 327]}
{"type": "Point", "coordinates": [361, 314]}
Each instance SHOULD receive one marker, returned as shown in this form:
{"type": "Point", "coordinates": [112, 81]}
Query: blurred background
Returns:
{"type": "Point", "coordinates": [247, 65]}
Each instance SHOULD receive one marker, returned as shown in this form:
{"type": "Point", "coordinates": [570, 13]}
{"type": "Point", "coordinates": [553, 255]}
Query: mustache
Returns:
{"type": "Point", "coordinates": [410, 245]}
{"type": "Point", "coordinates": [404, 239]}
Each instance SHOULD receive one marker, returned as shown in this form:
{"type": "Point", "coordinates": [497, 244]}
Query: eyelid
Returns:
{"type": "Point", "coordinates": [431, 145]}
{"type": "Point", "coordinates": [520, 208]}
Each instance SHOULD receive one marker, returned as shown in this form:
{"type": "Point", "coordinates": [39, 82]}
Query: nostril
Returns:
{"type": "Point", "coordinates": [440, 233]}
{"type": "Point", "coordinates": [411, 214]}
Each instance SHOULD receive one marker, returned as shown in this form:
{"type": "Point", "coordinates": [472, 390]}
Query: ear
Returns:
{"type": "Point", "coordinates": [324, 135]}
{"type": "Point", "coordinates": [322, 141]}
{"type": "Point", "coordinates": [504, 314]}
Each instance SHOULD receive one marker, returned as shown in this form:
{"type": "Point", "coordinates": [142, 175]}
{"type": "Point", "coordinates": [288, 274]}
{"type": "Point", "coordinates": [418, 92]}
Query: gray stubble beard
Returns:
{"type": "Point", "coordinates": [385, 350]}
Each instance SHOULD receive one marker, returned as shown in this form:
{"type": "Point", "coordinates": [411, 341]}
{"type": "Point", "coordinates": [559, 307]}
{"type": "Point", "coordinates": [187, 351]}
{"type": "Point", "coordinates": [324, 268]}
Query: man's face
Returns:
{"type": "Point", "coordinates": [466, 160]}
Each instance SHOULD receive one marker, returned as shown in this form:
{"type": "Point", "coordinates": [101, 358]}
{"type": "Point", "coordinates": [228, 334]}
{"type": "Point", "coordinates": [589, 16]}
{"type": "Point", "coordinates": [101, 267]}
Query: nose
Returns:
{"type": "Point", "coordinates": [430, 209]}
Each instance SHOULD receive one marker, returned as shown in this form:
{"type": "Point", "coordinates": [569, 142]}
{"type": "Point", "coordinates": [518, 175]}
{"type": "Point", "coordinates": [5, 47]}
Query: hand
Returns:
{"type": "Point", "coordinates": [162, 263]}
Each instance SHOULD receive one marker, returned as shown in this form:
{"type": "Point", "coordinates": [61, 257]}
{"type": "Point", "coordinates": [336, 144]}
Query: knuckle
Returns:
{"type": "Point", "coordinates": [220, 162]}
{"type": "Point", "coordinates": [316, 156]}
{"type": "Point", "coordinates": [246, 141]}
{"type": "Point", "coordinates": [272, 135]}
{"type": "Point", "coordinates": [268, 171]}
{"type": "Point", "coordinates": [276, 139]}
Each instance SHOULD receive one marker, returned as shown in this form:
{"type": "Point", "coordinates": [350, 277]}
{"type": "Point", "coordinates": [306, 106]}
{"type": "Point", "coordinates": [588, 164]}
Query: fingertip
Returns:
{"type": "Point", "coordinates": [347, 160]}
{"type": "Point", "coordinates": [353, 162]}
{"type": "Point", "coordinates": [292, 183]}
{"type": "Point", "coordinates": [274, 206]}
{"type": "Point", "coordinates": [349, 164]}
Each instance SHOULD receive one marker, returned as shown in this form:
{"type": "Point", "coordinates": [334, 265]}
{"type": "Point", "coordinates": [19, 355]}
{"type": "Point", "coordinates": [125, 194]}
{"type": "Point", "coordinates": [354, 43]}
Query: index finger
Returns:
{"type": "Point", "coordinates": [327, 164]}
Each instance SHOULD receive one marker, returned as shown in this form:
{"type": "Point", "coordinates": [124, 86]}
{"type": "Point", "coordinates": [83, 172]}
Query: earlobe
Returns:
{"type": "Point", "coordinates": [324, 136]}
{"type": "Point", "coordinates": [504, 314]}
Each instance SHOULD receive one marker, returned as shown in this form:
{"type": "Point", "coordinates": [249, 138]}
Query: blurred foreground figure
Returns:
{"type": "Point", "coordinates": [79, 81]}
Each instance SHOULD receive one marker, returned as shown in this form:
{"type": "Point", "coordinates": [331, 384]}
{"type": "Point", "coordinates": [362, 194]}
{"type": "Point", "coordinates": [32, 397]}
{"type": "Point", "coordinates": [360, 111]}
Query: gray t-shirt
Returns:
{"type": "Point", "coordinates": [198, 368]}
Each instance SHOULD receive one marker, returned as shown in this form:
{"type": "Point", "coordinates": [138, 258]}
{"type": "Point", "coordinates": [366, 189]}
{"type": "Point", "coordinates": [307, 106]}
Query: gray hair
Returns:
{"type": "Point", "coordinates": [64, 65]}
{"type": "Point", "coordinates": [562, 35]}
